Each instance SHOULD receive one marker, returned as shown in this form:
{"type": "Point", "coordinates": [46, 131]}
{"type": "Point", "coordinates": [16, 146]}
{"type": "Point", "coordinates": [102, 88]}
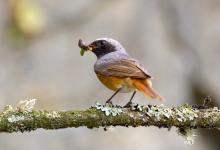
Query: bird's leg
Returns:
{"type": "Point", "coordinates": [109, 100]}
{"type": "Point", "coordinates": [130, 101]}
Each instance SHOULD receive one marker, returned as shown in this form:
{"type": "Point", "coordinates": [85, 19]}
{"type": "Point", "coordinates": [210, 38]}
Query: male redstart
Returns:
{"type": "Point", "coordinates": [117, 70]}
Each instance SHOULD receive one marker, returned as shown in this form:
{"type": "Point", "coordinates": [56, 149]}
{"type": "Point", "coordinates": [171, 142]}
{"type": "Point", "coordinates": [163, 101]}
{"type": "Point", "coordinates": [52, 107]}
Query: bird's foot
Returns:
{"type": "Point", "coordinates": [129, 105]}
{"type": "Point", "coordinates": [108, 103]}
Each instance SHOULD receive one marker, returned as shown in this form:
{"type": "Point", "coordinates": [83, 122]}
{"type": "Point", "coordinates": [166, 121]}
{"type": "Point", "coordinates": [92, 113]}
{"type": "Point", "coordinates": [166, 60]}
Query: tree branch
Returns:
{"type": "Point", "coordinates": [23, 118]}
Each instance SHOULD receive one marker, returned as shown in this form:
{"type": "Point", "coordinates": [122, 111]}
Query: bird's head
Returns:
{"type": "Point", "coordinates": [101, 47]}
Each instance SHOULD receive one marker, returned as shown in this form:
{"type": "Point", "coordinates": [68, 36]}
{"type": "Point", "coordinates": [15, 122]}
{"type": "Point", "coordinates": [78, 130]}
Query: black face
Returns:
{"type": "Point", "coordinates": [102, 47]}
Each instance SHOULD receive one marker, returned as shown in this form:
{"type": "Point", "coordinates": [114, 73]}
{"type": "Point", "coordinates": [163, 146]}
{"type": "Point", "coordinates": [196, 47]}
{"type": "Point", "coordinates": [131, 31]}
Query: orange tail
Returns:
{"type": "Point", "coordinates": [145, 86]}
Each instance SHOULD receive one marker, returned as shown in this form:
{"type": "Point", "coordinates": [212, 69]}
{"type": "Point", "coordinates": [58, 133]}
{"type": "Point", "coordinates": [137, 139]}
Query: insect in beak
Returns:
{"type": "Point", "coordinates": [84, 47]}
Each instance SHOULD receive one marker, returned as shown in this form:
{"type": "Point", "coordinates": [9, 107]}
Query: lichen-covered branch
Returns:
{"type": "Point", "coordinates": [23, 118]}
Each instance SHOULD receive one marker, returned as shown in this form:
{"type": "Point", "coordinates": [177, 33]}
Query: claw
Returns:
{"type": "Point", "coordinates": [128, 105]}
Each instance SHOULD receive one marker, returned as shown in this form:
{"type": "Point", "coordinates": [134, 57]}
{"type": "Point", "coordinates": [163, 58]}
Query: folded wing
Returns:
{"type": "Point", "coordinates": [123, 68]}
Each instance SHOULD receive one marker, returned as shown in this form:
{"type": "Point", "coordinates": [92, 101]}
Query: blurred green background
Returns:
{"type": "Point", "coordinates": [177, 41]}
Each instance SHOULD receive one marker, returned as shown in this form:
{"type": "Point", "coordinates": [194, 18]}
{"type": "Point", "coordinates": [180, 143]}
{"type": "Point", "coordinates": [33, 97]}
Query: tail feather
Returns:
{"type": "Point", "coordinates": [145, 86]}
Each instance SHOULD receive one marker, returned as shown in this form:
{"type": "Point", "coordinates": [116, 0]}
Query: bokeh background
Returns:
{"type": "Point", "coordinates": [177, 41]}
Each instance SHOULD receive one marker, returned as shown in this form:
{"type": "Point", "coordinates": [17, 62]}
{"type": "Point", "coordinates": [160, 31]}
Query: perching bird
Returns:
{"type": "Point", "coordinates": [117, 70]}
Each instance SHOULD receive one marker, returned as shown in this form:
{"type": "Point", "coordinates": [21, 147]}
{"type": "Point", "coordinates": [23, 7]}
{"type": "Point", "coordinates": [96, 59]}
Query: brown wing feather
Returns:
{"type": "Point", "coordinates": [123, 68]}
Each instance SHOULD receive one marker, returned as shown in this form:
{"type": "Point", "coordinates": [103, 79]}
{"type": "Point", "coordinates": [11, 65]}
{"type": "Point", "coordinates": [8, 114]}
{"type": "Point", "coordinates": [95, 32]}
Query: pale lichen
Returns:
{"type": "Point", "coordinates": [52, 114]}
{"type": "Point", "coordinates": [215, 109]}
{"type": "Point", "coordinates": [15, 118]}
{"type": "Point", "coordinates": [108, 109]}
{"type": "Point", "coordinates": [26, 105]}
{"type": "Point", "coordinates": [8, 108]}
{"type": "Point", "coordinates": [185, 113]}
{"type": "Point", "coordinates": [188, 135]}
{"type": "Point", "coordinates": [167, 112]}
{"type": "Point", "coordinates": [158, 112]}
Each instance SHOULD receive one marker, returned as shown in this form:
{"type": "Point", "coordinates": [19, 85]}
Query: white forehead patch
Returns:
{"type": "Point", "coordinates": [118, 45]}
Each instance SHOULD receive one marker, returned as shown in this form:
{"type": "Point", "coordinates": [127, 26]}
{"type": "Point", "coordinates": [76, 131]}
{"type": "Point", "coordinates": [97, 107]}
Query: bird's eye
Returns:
{"type": "Point", "coordinates": [102, 43]}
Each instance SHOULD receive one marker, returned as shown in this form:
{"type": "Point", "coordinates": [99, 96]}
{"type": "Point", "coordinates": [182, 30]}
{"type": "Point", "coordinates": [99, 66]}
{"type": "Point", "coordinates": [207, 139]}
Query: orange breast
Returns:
{"type": "Point", "coordinates": [114, 83]}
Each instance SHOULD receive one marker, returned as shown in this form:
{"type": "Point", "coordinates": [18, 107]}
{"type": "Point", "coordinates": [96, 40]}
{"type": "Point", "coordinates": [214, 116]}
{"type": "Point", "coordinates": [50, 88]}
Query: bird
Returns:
{"type": "Point", "coordinates": [118, 71]}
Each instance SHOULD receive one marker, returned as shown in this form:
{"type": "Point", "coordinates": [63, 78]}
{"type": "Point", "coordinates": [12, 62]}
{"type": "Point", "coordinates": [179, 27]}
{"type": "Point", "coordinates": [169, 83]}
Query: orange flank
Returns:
{"type": "Point", "coordinates": [130, 84]}
{"type": "Point", "coordinates": [115, 83]}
